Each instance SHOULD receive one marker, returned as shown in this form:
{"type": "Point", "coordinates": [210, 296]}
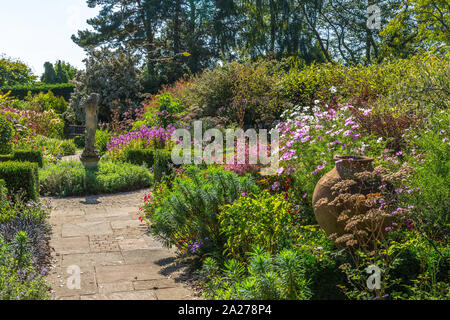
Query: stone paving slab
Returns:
{"type": "Point", "coordinates": [92, 259]}
{"type": "Point", "coordinates": [85, 229]}
{"type": "Point", "coordinates": [127, 272]}
{"type": "Point", "coordinates": [71, 245]}
{"type": "Point", "coordinates": [117, 258]}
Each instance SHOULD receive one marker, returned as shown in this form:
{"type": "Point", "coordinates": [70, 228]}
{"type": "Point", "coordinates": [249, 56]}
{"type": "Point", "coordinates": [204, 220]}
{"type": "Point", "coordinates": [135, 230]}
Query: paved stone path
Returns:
{"type": "Point", "coordinates": [117, 258]}
{"type": "Point", "coordinates": [75, 157]}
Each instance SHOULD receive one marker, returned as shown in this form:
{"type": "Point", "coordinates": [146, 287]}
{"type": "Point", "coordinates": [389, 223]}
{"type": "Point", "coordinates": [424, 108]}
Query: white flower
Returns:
{"type": "Point", "coordinates": [380, 140]}
{"type": "Point", "coordinates": [333, 89]}
{"type": "Point", "coordinates": [316, 101]}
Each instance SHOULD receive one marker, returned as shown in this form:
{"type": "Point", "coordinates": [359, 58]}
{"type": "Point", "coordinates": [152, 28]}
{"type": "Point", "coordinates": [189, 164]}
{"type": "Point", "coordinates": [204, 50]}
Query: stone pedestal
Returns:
{"type": "Point", "coordinates": [90, 156]}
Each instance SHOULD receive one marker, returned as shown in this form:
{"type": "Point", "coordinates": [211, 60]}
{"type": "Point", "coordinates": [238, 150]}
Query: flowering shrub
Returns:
{"type": "Point", "coordinates": [47, 123]}
{"type": "Point", "coordinates": [247, 167]}
{"type": "Point", "coordinates": [187, 214]}
{"type": "Point", "coordinates": [145, 138]}
{"type": "Point", "coordinates": [256, 220]}
{"type": "Point", "coordinates": [310, 138]}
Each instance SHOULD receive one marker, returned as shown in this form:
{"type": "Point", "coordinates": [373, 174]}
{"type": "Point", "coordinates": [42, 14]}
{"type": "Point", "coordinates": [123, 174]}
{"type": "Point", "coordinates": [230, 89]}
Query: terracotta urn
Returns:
{"type": "Point", "coordinates": [345, 169]}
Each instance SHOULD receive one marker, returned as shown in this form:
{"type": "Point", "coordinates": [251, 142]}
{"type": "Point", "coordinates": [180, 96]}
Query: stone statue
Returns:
{"type": "Point", "coordinates": [90, 156]}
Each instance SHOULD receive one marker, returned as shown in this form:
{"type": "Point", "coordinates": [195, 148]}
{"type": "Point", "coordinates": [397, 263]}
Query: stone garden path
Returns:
{"type": "Point", "coordinates": [117, 258]}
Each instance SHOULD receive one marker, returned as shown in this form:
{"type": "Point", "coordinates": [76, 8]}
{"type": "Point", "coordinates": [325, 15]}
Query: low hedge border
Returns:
{"type": "Point", "coordinates": [140, 157]}
{"type": "Point", "coordinates": [160, 160]}
{"type": "Point", "coordinates": [21, 177]}
{"type": "Point", "coordinates": [34, 156]}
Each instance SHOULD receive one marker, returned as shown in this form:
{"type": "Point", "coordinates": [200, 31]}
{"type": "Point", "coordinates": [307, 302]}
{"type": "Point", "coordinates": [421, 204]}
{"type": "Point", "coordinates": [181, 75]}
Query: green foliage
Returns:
{"type": "Point", "coordinates": [163, 165]}
{"type": "Point", "coordinates": [68, 148]}
{"type": "Point", "coordinates": [189, 213]}
{"type": "Point", "coordinates": [18, 278]}
{"type": "Point", "coordinates": [80, 141]}
{"type": "Point", "coordinates": [279, 277]}
{"type": "Point", "coordinates": [262, 220]}
{"type": "Point", "coordinates": [242, 93]}
{"type": "Point", "coordinates": [169, 109]}
{"type": "Point", "coordinates": [102, 137]}
{"type": "Point", "coordinates": [14, 72]}
{"type": "Point", "coordinates": [411, 268]}
{"type": "Point", "coordinates": [431, 160]}
{"type": "Point", "coordinates": [6, 130]}
{"type": "Point", "coordinates": [417, 24]}
{"type": "Point", "coordinates": [20, 91]}
{"type": "Point", "coordinates": [71, 178]}
{"type": "Point", "coordinates": [159, 160]}
{"type": "Point", "coordinates": [21, 178]}
{"type": "Point", "coordinates": [55, 147]}
{"type": "Point", "coordinates": [140, 157]}
{"type": "Point", "coordinates": [24, 247]}
{"type": "Point", "coordinates": [6, 157]}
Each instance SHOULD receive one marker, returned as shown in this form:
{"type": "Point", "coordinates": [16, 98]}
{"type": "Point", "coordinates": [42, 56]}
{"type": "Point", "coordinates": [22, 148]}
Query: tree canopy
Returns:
{"type": "Point", "coordinates": [62, 72]}
{"type": "Point", "coordinates": [178, 37]}
{"type": "Point", "coordinates": [14, 72]}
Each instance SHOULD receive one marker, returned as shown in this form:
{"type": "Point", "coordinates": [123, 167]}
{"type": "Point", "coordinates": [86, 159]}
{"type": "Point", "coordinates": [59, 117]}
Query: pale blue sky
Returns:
{"type": "Point", "coordinates": [36, 31]}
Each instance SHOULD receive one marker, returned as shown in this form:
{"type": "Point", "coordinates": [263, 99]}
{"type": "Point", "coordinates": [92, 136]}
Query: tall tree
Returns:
{"type": "Point", "coordinates": [112, 74]}
{"type": "Point", "coordinates": [417, 24]}
{"type": "Point", "coordinates": [62, 72]}
{"type": "Point", "coordinates": [49, 75]}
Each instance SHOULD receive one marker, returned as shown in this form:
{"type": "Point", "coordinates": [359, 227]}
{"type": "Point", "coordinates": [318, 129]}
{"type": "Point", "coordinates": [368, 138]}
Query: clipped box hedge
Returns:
{"type": "Point", "coordinates": [6, 157]}
{"type": "Point", "coordinates": [160, 160]}
{"type": "Point", "coordinates": [20, 91]}
{"type": "Point", "coordinates": [140, 157]}
{"type": "Point", "coordinates": [21, 178]}
{"type": "Point", "coordinates": [35, 156]}
{"type": "Point", "coordinates": [162, 165]}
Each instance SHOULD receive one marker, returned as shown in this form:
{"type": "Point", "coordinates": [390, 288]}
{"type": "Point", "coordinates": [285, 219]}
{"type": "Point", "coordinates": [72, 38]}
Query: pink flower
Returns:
{"type": "Point", "coordinates": [305, 195]}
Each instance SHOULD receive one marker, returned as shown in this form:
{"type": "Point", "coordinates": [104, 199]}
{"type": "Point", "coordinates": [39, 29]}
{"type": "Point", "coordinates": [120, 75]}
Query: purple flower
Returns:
{"type": "Point", "coordinates": [347, 133]}
{"type": "Point", "coordinates": [276, 186]}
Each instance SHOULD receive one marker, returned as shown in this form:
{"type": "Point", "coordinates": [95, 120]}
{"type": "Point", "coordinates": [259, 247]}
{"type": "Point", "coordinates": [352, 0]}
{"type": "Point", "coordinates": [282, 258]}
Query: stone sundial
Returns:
{"type": "Point", "coordinates": [90, 156]}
